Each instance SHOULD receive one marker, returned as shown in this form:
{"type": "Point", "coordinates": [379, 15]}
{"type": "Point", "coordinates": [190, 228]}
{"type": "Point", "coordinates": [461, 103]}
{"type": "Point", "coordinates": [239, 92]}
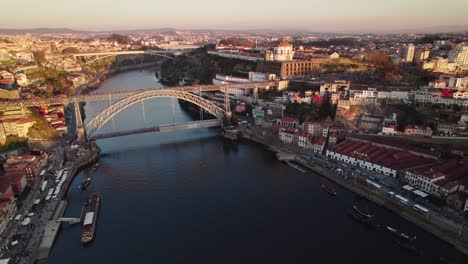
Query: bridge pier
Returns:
{"type": "Point", "coordinates": [81, 134]}
{"type": "Point", "coordinates": [80, 130]}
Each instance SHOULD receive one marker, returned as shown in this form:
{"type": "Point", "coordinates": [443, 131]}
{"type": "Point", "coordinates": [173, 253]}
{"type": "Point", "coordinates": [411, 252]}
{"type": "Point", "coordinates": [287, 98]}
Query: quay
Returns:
{"type": "Point", "coordinates": [431, 224]}
{"type": "Point", "coordinates": [54, 224]}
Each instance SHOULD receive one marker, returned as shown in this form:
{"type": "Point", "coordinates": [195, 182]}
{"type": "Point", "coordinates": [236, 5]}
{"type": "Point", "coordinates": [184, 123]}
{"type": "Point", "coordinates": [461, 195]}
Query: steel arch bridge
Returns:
{"type": "Point", "coordinates": [107, 114]}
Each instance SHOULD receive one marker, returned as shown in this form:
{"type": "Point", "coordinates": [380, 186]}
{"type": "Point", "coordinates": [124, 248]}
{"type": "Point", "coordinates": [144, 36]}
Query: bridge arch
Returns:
{"type": "Point", "coordinates": [107, 114]}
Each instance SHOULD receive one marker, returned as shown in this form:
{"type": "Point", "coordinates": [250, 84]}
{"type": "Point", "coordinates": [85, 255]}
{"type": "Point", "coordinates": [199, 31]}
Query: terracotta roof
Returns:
{"type": "Point", "coordinates": [284, 43]}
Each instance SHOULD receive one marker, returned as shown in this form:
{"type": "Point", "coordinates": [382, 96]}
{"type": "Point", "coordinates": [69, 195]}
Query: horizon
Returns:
{"type": "Point", "coordinates": [335, 16]}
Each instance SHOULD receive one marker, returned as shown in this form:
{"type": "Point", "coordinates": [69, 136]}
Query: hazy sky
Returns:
{"type": "Point", "coordinates": [313, 15]}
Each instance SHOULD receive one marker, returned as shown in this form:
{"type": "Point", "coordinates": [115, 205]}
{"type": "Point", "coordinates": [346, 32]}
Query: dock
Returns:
{"type": "Point", "coordinates": [50, 232]}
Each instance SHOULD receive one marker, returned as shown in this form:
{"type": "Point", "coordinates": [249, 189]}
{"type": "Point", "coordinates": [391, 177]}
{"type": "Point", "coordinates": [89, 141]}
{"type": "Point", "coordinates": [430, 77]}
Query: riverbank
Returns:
{"type": "Point", "coordinates": [431, 223]}
{"type": "Point", "coordinates": [93, 84]}
{"type": "Point", "coordinates": [53, 226]}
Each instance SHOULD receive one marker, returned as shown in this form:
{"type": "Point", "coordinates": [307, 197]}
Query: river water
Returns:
{"type": "Point", "coordinates": [191, 197]}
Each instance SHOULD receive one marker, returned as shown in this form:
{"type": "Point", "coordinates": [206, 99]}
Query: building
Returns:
{"type": "Point", "coordinates": [17, 126]}
{"type": "Point", "coordinates": [385, 159]}
{"type": "Point", "coordinates": [459, 55]}
{"type": "Point", "coordinates": [418, 131]}
{"type": "Point", "coordinates": [26, 165]}
{"type": "Point", "coordinates": [283, 52]}
{"type": "Point", "coordinates": [314, 129]}
{"type": "Point", "coordinates": [336, 86]}
{"type": "Point", "coordinates": [421, 55]}
{"type": "Point", "coordinates": [318, 144]}
{"type": "Point", "coordinates": [27, 56]}
{"type": "Point", "coordinates": [287, 134]}
{"type": "Point", "coordinates": [7, 204]}
{"type": "Point", "coordinates": [389, 130]}
{"type": "Point", "coordinates": [4, 56]}
{"type": "Point", "coordinates": [408, 54]}
{"type": "Point", "coordinates": [438, 179]}
{"type": "Point", "coordinates": [369, 122]}
{"type": "Point", "coordinates": [287, 121]}
{"type": "Point", "coordinates": [446, 129]}
{"type": "Point", "coordinates": [288, 69]}
{"type": "Point", "coordinates": [274, 110]}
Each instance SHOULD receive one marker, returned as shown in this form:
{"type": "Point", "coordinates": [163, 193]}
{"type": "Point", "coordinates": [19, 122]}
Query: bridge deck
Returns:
{"type": "Point", "coordinates": [162, 128]}
{"type": "Point", "coordinates": [119, 95]}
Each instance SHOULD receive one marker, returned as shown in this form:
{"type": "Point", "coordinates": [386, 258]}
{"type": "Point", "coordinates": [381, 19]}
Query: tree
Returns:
{"type": "Point", "coordinates": [121, 39]}
{"type": "Point", "coordinates": [70, 50]}
{"type": "Point", "coordinates": [39, 56]}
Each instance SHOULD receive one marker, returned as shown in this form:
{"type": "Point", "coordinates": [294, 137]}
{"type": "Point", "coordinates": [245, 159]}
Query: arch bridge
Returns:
{"type": "Point", "coordinates": [107, 114]}
{"type": "Point", "coordinates": [126, 99]}
{"type": "Point", "coordinates": [101, 55]}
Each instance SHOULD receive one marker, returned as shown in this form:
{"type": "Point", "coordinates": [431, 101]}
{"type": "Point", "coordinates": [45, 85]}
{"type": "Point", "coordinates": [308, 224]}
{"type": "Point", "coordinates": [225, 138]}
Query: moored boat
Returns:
{"type": "Point", "coordinates": [85, 184]}
{"type": "Point", "coordinates": [328, 190]}
{"type": "Point", "coordinates": [90, 220]}
{"type": "Point", "coordinates": [362, 212]}
{"type": "Point", "coordinates": [96, 165]}
{"type": "Point", "coordinates": [367, 222]}
{"type": "Point", "coordinates": [401, 234]}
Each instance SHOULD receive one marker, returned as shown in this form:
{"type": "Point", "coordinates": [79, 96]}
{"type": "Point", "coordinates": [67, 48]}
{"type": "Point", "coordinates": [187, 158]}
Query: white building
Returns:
{"type": "Point", "coordinates": [283, 52]}
{"type": "Point", "coordinates": [27, 56]}
{"type": "Point", "coordinates": [418, 131]}
{"type": "Point", "coordinates": [408, 55]}
{"type": "Point", "coordinates": [424, 182]}
{"type": "Point", "coordinates": [261, 76]}
{"type": "Point", "coordinates": [389, 130]}
{"type": "Point", "coordinates": [286, 136]}
{"type": "Point", "coordinates": [227, 79]}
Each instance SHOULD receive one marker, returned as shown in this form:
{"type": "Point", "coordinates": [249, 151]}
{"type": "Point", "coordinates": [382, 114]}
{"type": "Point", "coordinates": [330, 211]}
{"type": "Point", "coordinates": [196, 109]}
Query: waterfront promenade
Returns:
{"type": "Point", "coordinates": [31, 236]}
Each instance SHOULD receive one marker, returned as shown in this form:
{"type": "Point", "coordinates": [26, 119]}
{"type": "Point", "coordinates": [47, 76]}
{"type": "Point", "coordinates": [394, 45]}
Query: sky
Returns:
{"type": "Point", "coordinates": [310, 15]}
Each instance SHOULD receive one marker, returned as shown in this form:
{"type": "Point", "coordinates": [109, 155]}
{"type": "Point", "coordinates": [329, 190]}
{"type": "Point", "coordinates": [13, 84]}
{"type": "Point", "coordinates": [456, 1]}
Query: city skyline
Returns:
{"type": "Point", "coordinates": [315, 16]}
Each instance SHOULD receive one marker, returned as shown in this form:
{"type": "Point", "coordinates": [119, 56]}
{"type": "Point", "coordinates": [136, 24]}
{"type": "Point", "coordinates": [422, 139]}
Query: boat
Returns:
{"type": "Point", "coordinates": [328, 190]}
{"type": "Point", "coordinates": [404, 244]}
{"type": "Point", "coordinates": [89, 224]}
{"type": "Point", "coordinates": [362, 213]}
{"type": "Point", "coordinates": [85, 184]}
{"type": "Point", "coordinates": [367, 222]}
{"type": "Point", "coordinates": [95, 166]}
{"type": "Point", "coordinates": [401, 234]}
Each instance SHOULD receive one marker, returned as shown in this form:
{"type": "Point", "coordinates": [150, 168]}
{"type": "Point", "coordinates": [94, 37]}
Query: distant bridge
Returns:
{"type": "Point", "coordinates": [105, 54]}
{"type": "Point", "coordinates": [162, 128]}
{"type": "Point", "coordinates": [126, 52]}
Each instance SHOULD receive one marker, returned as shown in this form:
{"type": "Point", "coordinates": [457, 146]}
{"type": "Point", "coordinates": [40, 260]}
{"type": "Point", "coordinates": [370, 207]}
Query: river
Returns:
{"type": "Point", "coordinates": [192, 197]}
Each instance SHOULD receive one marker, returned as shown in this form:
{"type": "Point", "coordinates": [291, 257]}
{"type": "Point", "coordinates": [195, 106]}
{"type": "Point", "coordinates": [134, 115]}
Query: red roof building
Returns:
{"type": "Point", "coordinates": [383, 159]}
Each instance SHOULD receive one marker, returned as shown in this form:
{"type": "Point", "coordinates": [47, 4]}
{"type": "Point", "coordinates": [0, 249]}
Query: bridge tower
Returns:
{"type": "Point", "coordinates": [255, 94]}
{"type": "Point", "coordinates": [227, 104]}
{"type": "Point", "coordinates": [80, 130]}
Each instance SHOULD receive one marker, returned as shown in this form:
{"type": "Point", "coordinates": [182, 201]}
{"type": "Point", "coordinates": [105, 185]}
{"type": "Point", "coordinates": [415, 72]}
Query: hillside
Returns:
{"type": "Point", "coordinates": [199, 67]}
